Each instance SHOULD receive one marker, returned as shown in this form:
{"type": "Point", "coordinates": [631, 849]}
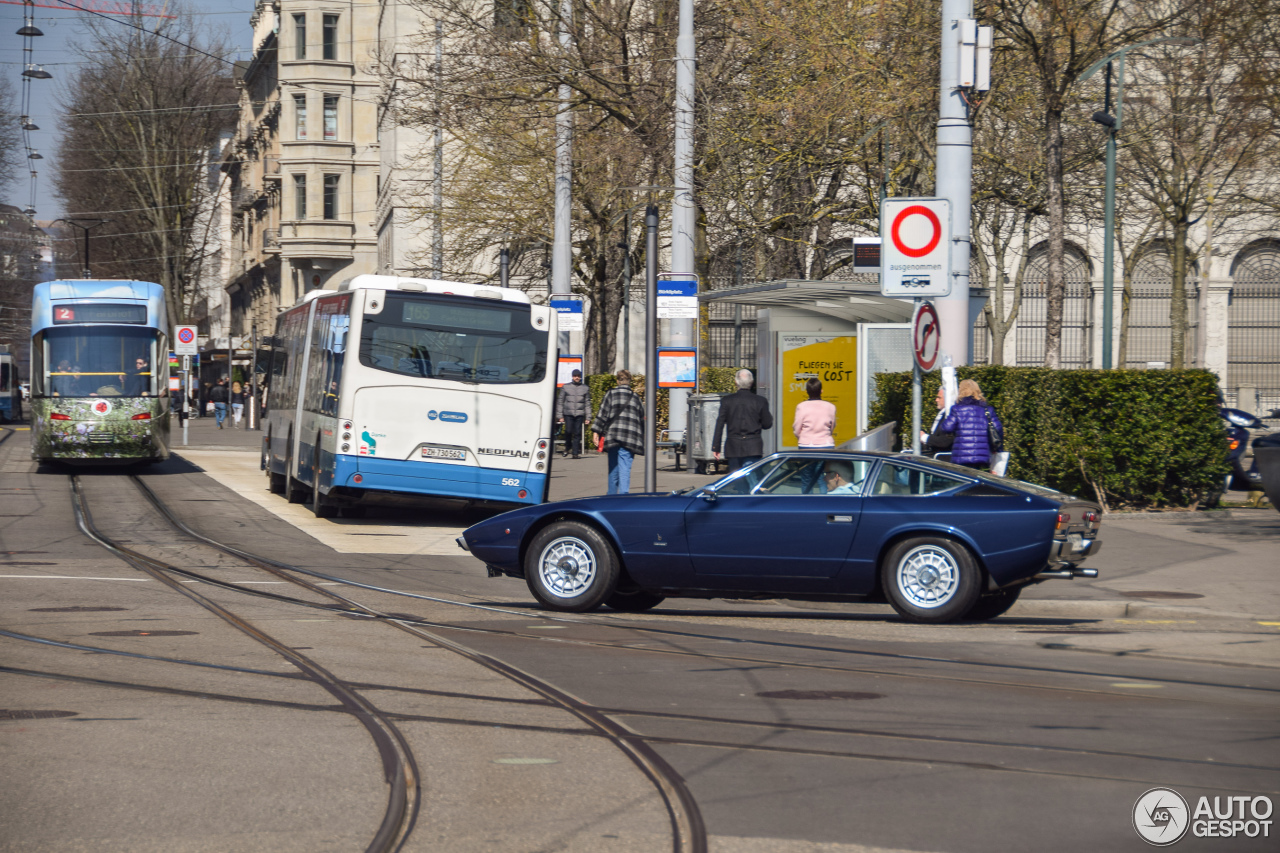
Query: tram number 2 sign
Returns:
{"type": "Point", "coordinates": [915, 247]}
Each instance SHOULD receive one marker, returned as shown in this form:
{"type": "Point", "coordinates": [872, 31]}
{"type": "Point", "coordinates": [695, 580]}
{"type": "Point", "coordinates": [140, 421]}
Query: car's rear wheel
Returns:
{"type": "Point", "coordinates": [993, 605]}
{"type": "Point", "coordinates": [931, 579]}
{"type": "Point", "coordinates": [570, 566]}
{"type": "Point", "coordinates": [635, 601]}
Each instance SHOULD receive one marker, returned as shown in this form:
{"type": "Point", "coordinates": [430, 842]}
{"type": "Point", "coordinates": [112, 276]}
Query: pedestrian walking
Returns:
{"type": "Point", "coordinates": [573, 403]}
{"type": "Point", "coordinates": [815, 421]}
{"type": "Point", "coordinates": [206, 399]}
{"type": "Point", "coordinates": [978, 432]}
{"type": "Point", "coordinates": [219, 397]}
{"type": "Point", "coordinates": [237, 404]}
{"type": "Point", "coordinates": [743, 416]}
{"type": "Point", "coordinates": [621, 422]}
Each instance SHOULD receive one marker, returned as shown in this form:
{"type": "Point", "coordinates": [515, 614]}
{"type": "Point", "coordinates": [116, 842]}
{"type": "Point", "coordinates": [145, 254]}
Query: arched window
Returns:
{"type": "Point", "coordinates": [1155, 265]}
{"type": "Point", "coordinates": [1075, 264]}
{"type": "Point", "coordinates": [1033, 317]}
{"type": "Point", "coordinates": [1257, 263]}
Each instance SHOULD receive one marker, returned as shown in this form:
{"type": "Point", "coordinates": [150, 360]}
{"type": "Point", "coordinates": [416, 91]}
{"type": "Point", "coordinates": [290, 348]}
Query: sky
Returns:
{"type": "Point", "coordinates": [55, 50]}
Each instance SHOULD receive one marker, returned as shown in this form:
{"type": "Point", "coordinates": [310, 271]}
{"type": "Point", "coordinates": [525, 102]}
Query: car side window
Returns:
{"type": "Point", "coordinates": [808, 476]}
{"type": "Point", "coordinates": [895, 479]}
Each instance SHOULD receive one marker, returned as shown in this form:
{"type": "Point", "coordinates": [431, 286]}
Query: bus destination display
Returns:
{"type": "Point", "coordinates": [456, 316]}
{"type": "Point", "coordinates": [100, 312]}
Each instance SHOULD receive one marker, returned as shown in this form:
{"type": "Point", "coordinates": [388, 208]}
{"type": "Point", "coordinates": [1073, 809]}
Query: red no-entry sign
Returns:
{"type": "Point", "coordinates": [926, 336]}
{"type": "Point", "coordinates": [915, 256]}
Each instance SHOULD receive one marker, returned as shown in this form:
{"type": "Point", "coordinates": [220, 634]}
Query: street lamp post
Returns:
{"type": "Point", "coordinates": [1113, 123]}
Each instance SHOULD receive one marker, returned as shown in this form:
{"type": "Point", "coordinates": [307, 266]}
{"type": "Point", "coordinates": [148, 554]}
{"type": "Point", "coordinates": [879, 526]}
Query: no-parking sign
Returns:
{"type": "Point", "coordinates": [915, 247]}
{"type": "Point", "coordinates": [185, 341]}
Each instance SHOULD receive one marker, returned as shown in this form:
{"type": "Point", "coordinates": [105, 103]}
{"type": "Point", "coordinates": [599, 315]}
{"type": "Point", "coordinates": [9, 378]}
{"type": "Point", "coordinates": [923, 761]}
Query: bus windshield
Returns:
{"type": "Point", "coordinates": [454, 338]}
{"type": "Point", "coordinates": [96, 361]}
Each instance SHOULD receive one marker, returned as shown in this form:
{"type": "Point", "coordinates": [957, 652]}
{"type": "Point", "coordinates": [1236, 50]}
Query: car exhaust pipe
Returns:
{"type": "Point", "coordinates": [1066, 574]}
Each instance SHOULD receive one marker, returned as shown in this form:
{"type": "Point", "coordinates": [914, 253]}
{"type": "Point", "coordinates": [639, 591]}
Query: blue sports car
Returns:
{"type": "Point", "coordinates": [938, 541]}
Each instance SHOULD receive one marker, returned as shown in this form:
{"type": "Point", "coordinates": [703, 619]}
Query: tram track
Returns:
{"type": "Point", "coordinates": [688, 831]}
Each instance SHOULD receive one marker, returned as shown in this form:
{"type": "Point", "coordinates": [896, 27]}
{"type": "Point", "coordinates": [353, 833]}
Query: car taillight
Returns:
{"type": "Point", "coordinates": [141, 416]}
{"type": "Point", "coordinates": [1064, 518]}
{"type": "Point", "coordinates": [58, 416]}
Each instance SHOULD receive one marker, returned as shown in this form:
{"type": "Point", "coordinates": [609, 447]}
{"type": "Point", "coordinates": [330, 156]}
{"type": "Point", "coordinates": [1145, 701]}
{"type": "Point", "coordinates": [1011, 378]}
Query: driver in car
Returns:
{"type": "Point", "coordinates": [838, 476]}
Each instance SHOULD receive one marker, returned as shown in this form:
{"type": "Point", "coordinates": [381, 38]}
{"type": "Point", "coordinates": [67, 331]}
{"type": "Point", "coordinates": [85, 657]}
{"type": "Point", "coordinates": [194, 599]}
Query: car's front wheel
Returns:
{"type": "Point", "coordinates": [931, 579]}
{"type": "Point", "coordinates": [570, 566]}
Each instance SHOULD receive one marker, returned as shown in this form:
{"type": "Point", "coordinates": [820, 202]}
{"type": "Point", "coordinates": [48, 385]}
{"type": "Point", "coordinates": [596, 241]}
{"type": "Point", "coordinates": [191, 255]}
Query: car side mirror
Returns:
{"type": "Point", "coordinates": [708, 495]}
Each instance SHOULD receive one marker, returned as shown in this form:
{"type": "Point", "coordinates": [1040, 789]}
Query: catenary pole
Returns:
{"type": "Point", "coordinates": [562, 242]}
{"type": "Point", "coordinates": [684, 215]}
{"type": "Point", "coordinates": [437, 169]}
{"type": "Point", "coordinates": [650, 348]}
{"type": "Point", "coordinates": [955, 183]}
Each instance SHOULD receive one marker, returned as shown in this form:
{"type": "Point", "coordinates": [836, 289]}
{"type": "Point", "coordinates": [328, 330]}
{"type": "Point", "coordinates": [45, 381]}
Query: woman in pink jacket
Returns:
{"type": "Point", "coordinates": [815, 420]}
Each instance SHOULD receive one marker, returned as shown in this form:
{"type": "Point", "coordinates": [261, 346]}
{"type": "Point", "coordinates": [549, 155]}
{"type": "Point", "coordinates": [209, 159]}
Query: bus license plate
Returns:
{"type": "Point", "coordinates": [442, 453]}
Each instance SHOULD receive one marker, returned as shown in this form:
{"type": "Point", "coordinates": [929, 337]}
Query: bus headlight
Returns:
{"type": "Point", "coordinates": [540, 466]}
{"type": "Point", "coordinates": [346, 436]}
{"type": "Point", "coordinates": [542, 454]}
{"type": "Point", "coordinates": [346, 447]}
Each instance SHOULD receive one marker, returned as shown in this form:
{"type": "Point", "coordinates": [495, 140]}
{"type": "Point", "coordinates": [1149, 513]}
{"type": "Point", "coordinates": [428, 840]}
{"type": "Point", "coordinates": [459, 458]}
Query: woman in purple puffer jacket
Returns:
{"type": "Point", "coordinates": [968, 422]}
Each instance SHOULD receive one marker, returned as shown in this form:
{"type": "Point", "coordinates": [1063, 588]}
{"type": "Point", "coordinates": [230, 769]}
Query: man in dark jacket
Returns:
{"type": "Point", "coordinates": [745, 415]}
{"type": "Point", "coordinates": [572, 404]}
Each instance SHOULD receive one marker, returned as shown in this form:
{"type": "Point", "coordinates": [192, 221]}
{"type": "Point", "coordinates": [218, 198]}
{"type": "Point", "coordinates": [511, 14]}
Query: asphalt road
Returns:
{"type": "Point", "coordinates": [151, 710]}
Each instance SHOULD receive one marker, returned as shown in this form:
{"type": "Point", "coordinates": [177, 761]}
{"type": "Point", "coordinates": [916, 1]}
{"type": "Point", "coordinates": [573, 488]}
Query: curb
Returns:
{"type": "Point", "coordinates": [1091, 609]}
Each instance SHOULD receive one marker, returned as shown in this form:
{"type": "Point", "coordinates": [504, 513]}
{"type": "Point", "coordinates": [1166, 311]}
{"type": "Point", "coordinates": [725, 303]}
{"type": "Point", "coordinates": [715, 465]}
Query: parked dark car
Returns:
{"type": "Point", "coordinates": [938, 541]}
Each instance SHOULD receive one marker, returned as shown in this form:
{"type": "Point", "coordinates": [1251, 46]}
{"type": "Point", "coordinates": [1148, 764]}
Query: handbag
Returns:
{"type": "Point", "coordinates": [1000, 463]}
{"type": "Point", "coordinates": [995, 441]}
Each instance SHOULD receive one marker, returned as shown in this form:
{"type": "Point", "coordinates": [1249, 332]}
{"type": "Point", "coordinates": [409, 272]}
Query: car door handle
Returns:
{"type": "Point", "coordinates": [840, 519]}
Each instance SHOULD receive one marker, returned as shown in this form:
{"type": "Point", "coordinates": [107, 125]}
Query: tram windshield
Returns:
{"type": "Point", "coordinates": [96, 361]}
{"type": "Point", "coordinates": [454, 339]}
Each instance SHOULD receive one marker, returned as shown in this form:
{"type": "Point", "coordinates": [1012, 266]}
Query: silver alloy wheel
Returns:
{"type": "Point", "coordinates": [567, 567]}
{"type": "Point", "coordinates": [928, 576]}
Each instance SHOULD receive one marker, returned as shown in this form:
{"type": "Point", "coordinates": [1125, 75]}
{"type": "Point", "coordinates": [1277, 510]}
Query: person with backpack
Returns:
{"type": "Point", "coordinates": [978, 432]}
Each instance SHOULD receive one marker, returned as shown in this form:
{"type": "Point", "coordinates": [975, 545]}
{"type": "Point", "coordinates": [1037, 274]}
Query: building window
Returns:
{"type": "Point", "coordinates": [299, 36]}
{"type": "Point", "coordinates": [331, 196]}
{"type": "Point", "coordinates": [300, 115]}
{"type": "Point", "coordinates": [511, 18]}
{"type": "Point", "coordinates": [330, 117]}
{"type": "Point", "coordinates": [330, 36]}
{"type": "Point", "coordinates": [299, 196]}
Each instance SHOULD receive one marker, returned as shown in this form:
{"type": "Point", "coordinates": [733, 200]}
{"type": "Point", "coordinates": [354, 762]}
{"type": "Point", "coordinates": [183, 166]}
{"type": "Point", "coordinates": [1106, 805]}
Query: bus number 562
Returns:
{"type": "Point", "coordinates": [510, 481]}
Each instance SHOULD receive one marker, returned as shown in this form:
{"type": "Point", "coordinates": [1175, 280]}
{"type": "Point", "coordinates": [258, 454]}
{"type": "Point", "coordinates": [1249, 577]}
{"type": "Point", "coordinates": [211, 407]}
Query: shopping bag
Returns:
{"type": "Point", "coordinates": [600, 443]}
{"type": "Point", "coordinates": [999, 463]}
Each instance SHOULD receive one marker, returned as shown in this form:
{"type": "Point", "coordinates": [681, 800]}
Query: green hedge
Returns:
{"type": "Point", "coordinates": [1128, 438]}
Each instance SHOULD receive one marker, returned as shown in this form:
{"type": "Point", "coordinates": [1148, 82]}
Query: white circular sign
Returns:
{"type": "Point", "coordinates": [1161, 816]}
{"type": "Point", "coordinates": [916, 231]}
{"type": "Point", "coordinates": [102, 408]}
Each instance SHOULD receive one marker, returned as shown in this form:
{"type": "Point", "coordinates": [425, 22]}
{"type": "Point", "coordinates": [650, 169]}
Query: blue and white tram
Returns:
{"type": "Point", "coordinates": [99, 372]}
{"type": "Point", "coordinates": [392, 387]}
{"type": "Point", "coordinates": [10, 392]}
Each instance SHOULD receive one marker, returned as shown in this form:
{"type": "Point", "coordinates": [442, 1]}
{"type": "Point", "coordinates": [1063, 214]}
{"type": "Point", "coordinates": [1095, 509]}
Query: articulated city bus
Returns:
{"type": "Point", "coordinates": [99, 372]}
{"type": "Point", "coordinates": [397, 387]}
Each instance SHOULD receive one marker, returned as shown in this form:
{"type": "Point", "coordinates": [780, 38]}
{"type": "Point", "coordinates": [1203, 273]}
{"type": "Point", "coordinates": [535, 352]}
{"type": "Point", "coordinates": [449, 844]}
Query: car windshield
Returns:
{"type": "Point", "coordinates": [454, 338]}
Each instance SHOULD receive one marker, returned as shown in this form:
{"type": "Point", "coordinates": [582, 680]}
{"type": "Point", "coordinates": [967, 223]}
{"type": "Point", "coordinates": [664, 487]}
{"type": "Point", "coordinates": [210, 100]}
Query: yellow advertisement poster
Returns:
{"type": "Point", "coordinates": [832, 360]}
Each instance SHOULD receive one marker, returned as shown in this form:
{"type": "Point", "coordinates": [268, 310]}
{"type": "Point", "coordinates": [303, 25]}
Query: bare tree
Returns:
{"type": "Point", "coordinates": [1059, 40]}
{"type": "Point", "coordinates": [10, 143]}
{"type": "Point", "coordinates": [143, 116]}
{"type": "Point", "coordinates": [1199, 138]}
